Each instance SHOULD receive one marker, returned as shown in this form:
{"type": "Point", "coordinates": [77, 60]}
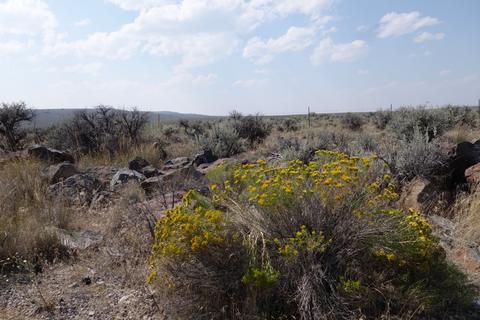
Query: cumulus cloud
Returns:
{"type": "Point", "coordinates": [328, 51]}
{"type": "Point", "coordinates": [91, 69]}
{"type": "Point", "coordinates": [13, 47]}
{"type": "Point", "coordinates": [249, 83]}
{"type": "Point", "coordinates": [397, 24]}
{"type": "Point", "coordinates": [295, 39]}
{"type": "Point", "coordinates": [198, 31]}
{"type": "Point", "coordinates": [26, 17]}
{"type": "Point", "coordinates": [83, 23]}
{"type": "Point", "coordinates": [426, 36]}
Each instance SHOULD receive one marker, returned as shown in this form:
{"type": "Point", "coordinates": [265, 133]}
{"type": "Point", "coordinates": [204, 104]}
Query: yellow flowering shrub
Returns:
{"type": "Point", "coordinates": [188, 228]}
{"type": "Point", "coordinates": [292, 234]}
{"type": "Point", "coordinates": [303, 241]}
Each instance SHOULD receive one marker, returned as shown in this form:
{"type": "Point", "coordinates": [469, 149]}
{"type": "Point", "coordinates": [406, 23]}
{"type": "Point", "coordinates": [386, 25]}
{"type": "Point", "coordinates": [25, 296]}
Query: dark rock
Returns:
{"type": "Point", "coordinates": [177, 163]}
{"type": "Point", "coordinates": [179, 180]}
{"type": "Point", "coordinates": [49, 155]}
{"type": "Point", "coordinates": [101, 199]}
{"type": "Point", "coordinates": [125, 175]}
{"type": "Point", "coordinates": [204, 157]}
{"type": "Point", "coordinates": [150, 171]}
{"type": "Point", "coordinates": [104, 174]}
{"type": "Point", "coordinates": [78, 188]}
{"type": "Point", "coordinates": [87, 281]}
{"type": "Point", "coordinates": [138, 164]}
{"type": "Point", "coordinates": [61, 171]}
{"type": "Point", "coordinates": [466, 155]}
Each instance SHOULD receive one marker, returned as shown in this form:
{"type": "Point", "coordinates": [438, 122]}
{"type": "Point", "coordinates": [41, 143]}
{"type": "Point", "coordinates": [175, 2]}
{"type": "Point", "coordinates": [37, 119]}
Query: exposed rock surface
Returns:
{"type": "Point", "coordinates": [466, 155]}
{"type": "Point", "coordinates": [472, 176]}
{"type": "Point", "coordinates": [61, 171]}
{"type": "Point", "coordinates": [206, 167]}
{"type": "Point", "coordinates": [177, 163]}
{"type": "Point", "coordinates": [77, 239]}
{"type": "Point", "coordinates": [49, 155]}
{"type": "Point", "coordinates": [204, 157]}
{"type": "Point", "coordinates": [138, 164]}
{"type": "Point", "coordinates": [466, 256]}
{"type": "Point", "coordinates": [427, 196]}
{"type": "Point", "coordinates": [150, 171]}
{"type": "Point", "coordinates": [125, 175]}
{"type": "Point", "coordinates": [79, 188]}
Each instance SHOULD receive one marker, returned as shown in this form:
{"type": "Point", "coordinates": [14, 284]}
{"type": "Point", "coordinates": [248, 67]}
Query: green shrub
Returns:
{"type": "Point", "coordinates": [223, 140]}
{"type": "Point", "coordinates": [321, 240]}
{"type": "Point", "coordinates": [381, 119]}
{"type": "Point", "coordinates": [352, 121]}
{"type": "Point", "coordinates": [429, 122]}
{"type": "Point", "coordinates": [252, 128]}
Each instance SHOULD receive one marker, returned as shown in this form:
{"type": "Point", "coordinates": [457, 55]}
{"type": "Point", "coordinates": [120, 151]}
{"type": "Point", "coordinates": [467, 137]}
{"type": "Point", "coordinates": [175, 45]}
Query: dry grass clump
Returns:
{"type": "Point", "coordinates": [27, 215]}
{"type": "Point", "coordinates": [155, 155]}
{"type": "Point", "coordinates": [467, 215]}
{"type": "Point", "coordinates": [321, 240]}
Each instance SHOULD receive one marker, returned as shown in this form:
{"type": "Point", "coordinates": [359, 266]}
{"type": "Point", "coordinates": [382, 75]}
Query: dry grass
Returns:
{"type": "Point", "coordinates": [27, 214]}
{"type": "Point", "coordinates": [467, 214]}
{"type": "Point", "coordinates": [121, 158]}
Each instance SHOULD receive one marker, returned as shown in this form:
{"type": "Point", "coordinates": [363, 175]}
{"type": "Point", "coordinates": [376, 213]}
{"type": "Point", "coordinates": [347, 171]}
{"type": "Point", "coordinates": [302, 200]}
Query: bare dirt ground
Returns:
{"type": "Point", "coordinates": [104, 281]}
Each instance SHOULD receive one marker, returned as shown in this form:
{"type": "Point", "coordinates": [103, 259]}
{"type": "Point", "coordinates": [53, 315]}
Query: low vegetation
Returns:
{"type": "Point", "coordinates": [301, 217]}
{"type": "Point", "coordinates": [310, 241]}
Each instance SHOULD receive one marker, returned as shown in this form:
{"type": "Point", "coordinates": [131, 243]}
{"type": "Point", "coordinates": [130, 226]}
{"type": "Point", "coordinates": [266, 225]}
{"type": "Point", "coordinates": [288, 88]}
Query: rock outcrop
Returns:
{"type": "Point", "coordinates": [61, 171]}
{"type": "Point", "coordinates": [124, 176]}
{"type": "Point", "coordinates": [78, 189]}
{"type": "Point", "coordinates": [472, 176]}
{"type": "Point", "coordinates": [138, 164]}
{"type": "Point", "coordinates": [466, 155]}
{"type": "Point", "coordinates": [49, 155]}
{"type": "Point", "coordinates": [426, 196]}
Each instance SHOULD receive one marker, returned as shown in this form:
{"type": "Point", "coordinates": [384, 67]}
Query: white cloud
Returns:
{"type": "Point", "coordinates": [83, 23]}
{"type": "Point", "coordinates": [183, 78]}
{"type": "Point", "coordinates": [445, 72]}
{"type": "Point", "coordinates": [249, 83]}
{"type": "Point", "coordinates": [91, 69]}
{"type": "Point", "coordinates": [199, 32]}
{"type": "Point", "coordinates": [362, 72]}
{"type": "Point", "coordinates": [397, 24]}
{"type": "Point", "coordinates": [137, 5]}
{"type": "Point", "coordinates": [13, 47]}
{"type": "Point", "coordinates": [328, 51]}
{"type": "Point", "coordinates": [425, 36]}
{"type": "Point", "coordinates": [295, 39]}
{"type": "Point", "coordinates": [362, 28]}
{"type": "Point", "coordinates": [26, 17]}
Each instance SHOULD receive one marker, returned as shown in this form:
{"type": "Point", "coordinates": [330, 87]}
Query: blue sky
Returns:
{"type": "Point", "coordinates": [213, 56]}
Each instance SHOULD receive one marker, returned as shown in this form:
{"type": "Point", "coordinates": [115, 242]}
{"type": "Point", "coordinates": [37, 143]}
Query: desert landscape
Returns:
{"type": "Point", "coordinates": [239, 160]}
{"type": "Point", "coordinates": [108, 215]}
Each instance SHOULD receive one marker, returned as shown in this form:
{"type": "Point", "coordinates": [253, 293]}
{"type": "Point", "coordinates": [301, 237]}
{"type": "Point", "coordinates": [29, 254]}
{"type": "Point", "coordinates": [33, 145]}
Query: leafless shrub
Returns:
{"type": "Point", "coordinates": [12, 115]}
{"type": "Point", "coordinates": [103, 129]}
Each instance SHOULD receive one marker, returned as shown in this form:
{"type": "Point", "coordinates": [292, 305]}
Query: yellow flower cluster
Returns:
{"type": "Point", "coordinates": [303, 241]}
{"type": "Point", "coordinates": [189, 227]}
{"type": "Point", "coordinates": [333, 176]}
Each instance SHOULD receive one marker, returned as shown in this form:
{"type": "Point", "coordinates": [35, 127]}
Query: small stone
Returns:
{"type": "Point", "coordinates": [87, 281]}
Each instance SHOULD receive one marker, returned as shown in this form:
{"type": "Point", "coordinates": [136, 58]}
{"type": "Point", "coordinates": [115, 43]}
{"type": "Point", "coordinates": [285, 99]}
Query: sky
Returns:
{"type": "Point", "coordinates": [254, 56]}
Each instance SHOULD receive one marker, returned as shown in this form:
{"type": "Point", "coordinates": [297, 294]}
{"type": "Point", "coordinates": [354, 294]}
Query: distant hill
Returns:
{"type": "Point", "coordinates": [47, 117]}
